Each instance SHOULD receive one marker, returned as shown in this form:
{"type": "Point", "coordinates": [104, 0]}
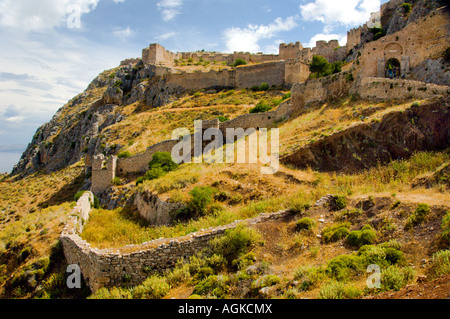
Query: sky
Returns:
{"type": "Point", "coordinates": [50, 50]}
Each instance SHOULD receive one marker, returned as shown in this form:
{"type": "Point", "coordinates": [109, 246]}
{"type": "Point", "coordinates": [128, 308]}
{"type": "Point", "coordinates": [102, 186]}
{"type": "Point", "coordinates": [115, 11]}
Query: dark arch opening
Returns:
{"type": "Point", "coordinates": [393, 69]}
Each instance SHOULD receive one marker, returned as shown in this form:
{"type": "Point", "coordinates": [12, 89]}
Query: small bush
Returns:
{"type": "Point", "coordinates": [216, 286]}
{"type": "Point", "coordinates": [164, 161]}
{"type": "Point", "coordinates": [261, 107]}
{"type": "Point", "coordinates": [239, 62]}
{"type": "Point", "coordinates": [344, 267]}
{"type": "Point", "coordinates": [308, 276]}
{"type": "Point", "coordinates": [266, 281]}
{"type": "Point", "coordinates": [305, 224]}
{"type": "Point", "coordinates": [441, 263]}
{"type": "Point", "coordinates": [335, 233]}
{"type": "Point", "coordinates": [445, 235]}
{"type": "Point", "coordinates": [116, 181]}
{"type": "Point", "coordinates": [406, 7]}
{"type": "Point", "coordinates": [236, 242]}
{"type": "Point", "coordinates": [366, 236]}
{"type": "Point", "coordinates": [264, 87]}
{"type": "Point", "coordinates": [338, 290]}
{"type": "Point", "coordinates": [395, 278]}
{"type": "Point", "coordinates": [418, 217]}
{"type": "Point", "coordinates": [201, 198]}
{"type": "Point", "coordinates": [124, 154]}
{"type": "Point", "coordinates": [153, 288]}
{"type": "Point", "coordinates": [339, 202]}
{"type": "Point", "coordinates": [114, 294]}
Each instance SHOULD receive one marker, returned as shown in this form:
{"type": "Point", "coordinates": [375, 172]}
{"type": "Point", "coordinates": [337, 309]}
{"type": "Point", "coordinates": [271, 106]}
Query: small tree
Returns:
{"type": "Point", "coordinates": [320, 66]}
{"type": "Point", "coordinates": [238, 62]}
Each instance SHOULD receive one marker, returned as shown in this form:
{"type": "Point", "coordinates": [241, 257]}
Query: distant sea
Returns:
{"type": "Point", "coordinates": [10, 156]}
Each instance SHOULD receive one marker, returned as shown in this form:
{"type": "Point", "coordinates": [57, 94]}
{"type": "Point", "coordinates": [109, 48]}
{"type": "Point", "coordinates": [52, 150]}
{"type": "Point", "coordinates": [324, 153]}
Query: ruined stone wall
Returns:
{"type": "Point", "coordinates": [330, 50]}
{"type": "Point", "coordinates": [328, 88]}
{"type": "Point", "coordinates": [260, 58]}
{"type": "Point", "coordinates": [296, 72]}
{"type": "Point", "coordinates": [103, 172]}
{"type": "Point", "coordinates": [272, 73]}
{"type": "Point", "coordinates": [428, 37]}
{"type": "Point", "coordinates": [131, 265]}
{"type": "Point", "coordinates": [387, 89]}
{"type": "Point", "coordinates": [199, 80]}
{"type": "Point", "coordinates": [139, 163]}
{"type": "Point", "coordinates": [154, 210]}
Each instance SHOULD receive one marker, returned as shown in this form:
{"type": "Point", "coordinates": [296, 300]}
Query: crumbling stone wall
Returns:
{"type": "Point", "coordinates": [387, 89]}
{"type": "Point", "coordinates": [131, 265]}
{"type": "Point", "coordinates": [103, 172]}
{"type": "Point", "coordinates": [154, 210]}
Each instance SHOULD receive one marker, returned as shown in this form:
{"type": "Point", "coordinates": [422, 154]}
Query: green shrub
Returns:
{"type": "Point", "coordinates": [216, 286]}
{"type": "Point", "coordinates": [338, 290]}
{"type": "Point", "coordinates": [78, 195]}
{"type": "Point", "coordinates": [266, 281]}
{"type": "Point", "coordinates": [201, 198]}
{"type": "Point", "coordinates": [124, 154]}
{"type": "Point", "coordinates": [418, 217]}
{"type": "Point", "coordinates": [116, 181]}
{"type": "Point", "coordinates": [154, 287]}
{"type": "Point", "coordinates": [113, 293]}
{"type": "Point", "coordinates": [441, 263]}
{"type": "Point", "coordinates": [235, 242]}
{"type": "Point", "coordinates": [287, 96]}
{"type": "Point", "coordinates": [335, 233]}
{"type": "Point", "coordinates": [238, 62]}
{"type": "Point", "coordinates": [24, 254]}
{"type": "Point", "coordinates": [261, 107]}
{"type": "Point", "coordinates": [305, 224]}
{"type": "Point", "coordinates": [164, 161]}
{"type": "Point", "coordinates": [344, 267]}
{"type": "Point", "coordinates": [308, 277]}
{"type": "Point", "coordinates": [406, 7]}
{"type": "Point", "coordinates": [393, 256]}
{"type": "Point", "coordinates": [366, 236]}
{"type": "Point", "coordinates": [445, 235]}
{"type": "Point", "coordinates": [339, 202]}
{"type": "Point", "coordinates": [372, 255]}
{"type": "Point", "coordinates": [264, 87]}
{"type": "Point", "coordinates": [395, 278]}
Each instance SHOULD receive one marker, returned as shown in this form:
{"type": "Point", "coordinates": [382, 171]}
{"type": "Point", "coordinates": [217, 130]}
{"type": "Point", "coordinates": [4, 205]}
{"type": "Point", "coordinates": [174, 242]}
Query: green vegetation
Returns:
{"type": "Point", "coordinates": [339, 202]}
{"type": "Point", "coordinates": [366, 236]}
{"type": "Point", "coordinates": [305, 224]}
{"type": "Point", "coordinates": [159, 166]}
{"type": "Point", "coordinates": [320, 67]}
{"type": "Point", "coordinates": [395, 278]}
{"type": "Point", "coordinates": [125, 154]}
{"type": "Point", "coordinates": [377, 33]}
{"type": "Point", "coordinates": [262, 87]}
{"type": "Point", "coordinates": [445, 235]}
{"type": "Point", "coordinates": [441, 263]}
{"type": "Point", "coordinates": [261, 107]}
{"type": "Point", "coordinates": [418, 217]}
{"type": "Point", "coordinates": [238, 62]}
{"type": "Point", "coordinates": [406, 7]}
{"type": "Point", "coordinates": [335, 233]}
{"type": "Point", "coordinates": [236, 242]}
{"type": "Point", "coordinates": [339, 290]}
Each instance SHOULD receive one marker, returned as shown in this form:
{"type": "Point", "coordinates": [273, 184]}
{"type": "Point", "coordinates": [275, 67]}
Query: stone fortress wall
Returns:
{"type": "Point", "coordinates": [131, 265]}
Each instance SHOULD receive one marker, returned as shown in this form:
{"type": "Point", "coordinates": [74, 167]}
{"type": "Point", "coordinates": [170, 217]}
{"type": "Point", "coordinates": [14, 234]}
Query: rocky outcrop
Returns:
{"type": "Point", "coordinates": [154, 210]}
{"type": "Point", "coordinates": [397, 136]}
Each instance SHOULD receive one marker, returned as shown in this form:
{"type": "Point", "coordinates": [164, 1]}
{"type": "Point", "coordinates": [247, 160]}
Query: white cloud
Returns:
{"type": "Point", "coordinates": [31, 15]}
{"type": "Point", "coordinates": [169, 8]}
{"type": "Point", "coordinates": [165, 36]}
{"type": "Point", "coordinates": [123, 33]}
{"type": "Point", "coordinates": [14, 119]}
{"type": "Point", "coordinates": [342, 38]}
{"type": "Point", "coordinates": [344, 12]}
{"type": "Point", "coordinates": [246, 39]}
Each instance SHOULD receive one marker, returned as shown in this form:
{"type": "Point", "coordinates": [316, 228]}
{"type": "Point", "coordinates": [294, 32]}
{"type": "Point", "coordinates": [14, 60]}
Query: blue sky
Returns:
{"type": "Point", "coordinates": [50, 50]}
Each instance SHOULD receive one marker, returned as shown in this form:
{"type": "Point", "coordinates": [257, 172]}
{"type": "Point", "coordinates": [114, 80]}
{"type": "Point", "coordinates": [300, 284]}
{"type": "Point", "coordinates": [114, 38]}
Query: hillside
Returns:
{"type": "Point", "coordinates": [363, 176]}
